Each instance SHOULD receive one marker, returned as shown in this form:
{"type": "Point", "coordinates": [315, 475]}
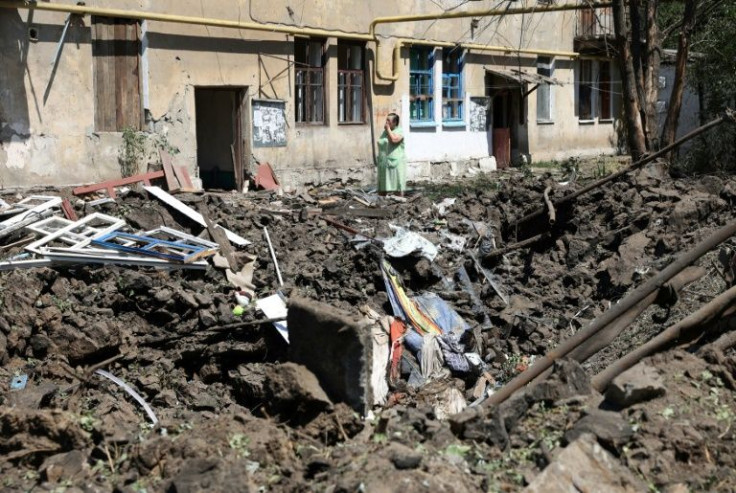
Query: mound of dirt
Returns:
{"type": "Point", "coordinates": [237, 408]}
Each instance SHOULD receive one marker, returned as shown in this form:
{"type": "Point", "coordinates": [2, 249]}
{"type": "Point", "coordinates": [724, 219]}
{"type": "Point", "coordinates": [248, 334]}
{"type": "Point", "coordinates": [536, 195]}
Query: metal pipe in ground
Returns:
{"type": "Point", "coordinates": [705, 314]}
{"type": "Point", "coordinates": [727, 116]}
{"type": "Point", "coordinates": [614, 313]}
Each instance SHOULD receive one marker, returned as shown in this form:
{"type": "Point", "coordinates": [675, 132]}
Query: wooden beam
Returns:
{"type": "Point", "coordinates": [111, 184]}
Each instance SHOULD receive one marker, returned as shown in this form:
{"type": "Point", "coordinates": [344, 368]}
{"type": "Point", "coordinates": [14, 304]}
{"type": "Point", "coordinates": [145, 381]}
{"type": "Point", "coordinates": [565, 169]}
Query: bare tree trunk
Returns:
{"type": "Point", "coordinates": [651, 76]}
{"type": "Point", "coordinates": [632, 110]}
{"type": "Point", "coordinates": [678, 88]}
{"type": "Point", "coordinates": [637, 52]}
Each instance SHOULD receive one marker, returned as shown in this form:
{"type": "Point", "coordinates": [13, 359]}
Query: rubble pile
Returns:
{"type": "Point", "coordinates": [336, 340]}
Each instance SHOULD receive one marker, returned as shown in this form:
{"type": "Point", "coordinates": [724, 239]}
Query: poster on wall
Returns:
{"type": "Point", "coordinates": [479, 107]}
{"type": "Point", "coordinates": [269, 123]}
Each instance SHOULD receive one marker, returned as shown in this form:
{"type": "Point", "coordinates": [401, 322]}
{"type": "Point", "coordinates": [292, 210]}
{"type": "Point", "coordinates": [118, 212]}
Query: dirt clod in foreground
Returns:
{"type": "Point", "coordinates": [236, 414]}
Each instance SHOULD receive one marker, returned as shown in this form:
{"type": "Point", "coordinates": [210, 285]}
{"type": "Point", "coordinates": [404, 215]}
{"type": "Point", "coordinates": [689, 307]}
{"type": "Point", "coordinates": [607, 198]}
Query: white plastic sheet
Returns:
{"type": "Point", "coordinates": [274, 306]}
{"type": "Point", "coordinates": [405, 242]}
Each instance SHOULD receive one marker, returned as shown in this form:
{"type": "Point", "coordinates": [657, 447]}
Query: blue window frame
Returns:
{"type": "Point", "coordinates": [452, 86]}
{"type": "Point", "coordinates": [421, 84]}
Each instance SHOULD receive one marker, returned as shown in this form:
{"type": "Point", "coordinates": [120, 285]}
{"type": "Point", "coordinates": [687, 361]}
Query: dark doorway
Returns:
{"type": "Point", "coordinates": [220, 137]}
{"type": "Point", "coordinates": [507, 118]}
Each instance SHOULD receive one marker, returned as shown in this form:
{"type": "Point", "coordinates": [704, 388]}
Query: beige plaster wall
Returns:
{"type": "Point", "coordinates": [47, 133]}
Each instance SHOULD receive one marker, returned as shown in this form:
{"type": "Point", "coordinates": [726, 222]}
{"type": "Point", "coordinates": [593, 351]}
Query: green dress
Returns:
{"type": "Point", "coordinates": [391, 163]}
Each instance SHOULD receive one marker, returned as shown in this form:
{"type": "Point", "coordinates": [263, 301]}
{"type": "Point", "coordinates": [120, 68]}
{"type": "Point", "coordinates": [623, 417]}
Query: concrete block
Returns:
{"type": "Point", "coordinates": [487, 164]}
{"type": "Point", "coordinates": [418, 170]}
{"type": "Point", "coordinates": [336, 347]}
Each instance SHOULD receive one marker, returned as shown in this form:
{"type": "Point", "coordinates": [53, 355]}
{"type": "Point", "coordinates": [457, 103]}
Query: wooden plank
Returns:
{"type": "Point", "coordinates": [171, 182]}
{"type": "Point", "coordinates": [218, 235]}
{"type": "Point", "coordinates": [108, 185]}
{"type": "Point", "coordinates": [66, 206]}
{"type": "Point", "coordinates": [195, 216]}
{"type": "Point", "coordinates": [120, 74]}
{"type": "Point", "coordinates": [104, 67]}
{"type": "Point", "coordinates": [237, 149]}
{"type": "Point", "coordinates": [126, 56]}
{"type": "Point", "coordinates": [183, 176]}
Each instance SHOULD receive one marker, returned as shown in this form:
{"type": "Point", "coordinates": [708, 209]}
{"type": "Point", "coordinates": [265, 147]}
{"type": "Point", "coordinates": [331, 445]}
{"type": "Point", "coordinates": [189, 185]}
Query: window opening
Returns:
{"type": "Point", "coordinates": [421, 84]}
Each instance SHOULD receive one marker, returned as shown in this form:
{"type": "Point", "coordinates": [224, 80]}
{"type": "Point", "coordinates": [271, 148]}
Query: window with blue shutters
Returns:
{"type": "Point", "coordinates": [421, 84]}
{"type": "Point", "coordinates": [452, 86]}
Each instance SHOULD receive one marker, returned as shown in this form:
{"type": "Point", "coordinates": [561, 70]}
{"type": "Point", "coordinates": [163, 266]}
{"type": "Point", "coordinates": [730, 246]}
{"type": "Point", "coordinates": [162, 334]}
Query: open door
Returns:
{"type": "Point", "coordinates": [501, 104]}
{"type": "Point", "coordinates": [508, 114]}
{"type": "Point", "coordinates": [501, 92]}
{"type": "Point", "coordinates": [220, 136]}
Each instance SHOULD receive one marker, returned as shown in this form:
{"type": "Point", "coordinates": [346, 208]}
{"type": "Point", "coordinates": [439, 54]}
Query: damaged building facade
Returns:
{"type": "Point", "coordinates": [305, 87]}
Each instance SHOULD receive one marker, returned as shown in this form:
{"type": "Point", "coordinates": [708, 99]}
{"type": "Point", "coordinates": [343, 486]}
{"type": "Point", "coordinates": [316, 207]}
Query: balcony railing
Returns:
{"type": "Point", "coordinates": [594, 24]}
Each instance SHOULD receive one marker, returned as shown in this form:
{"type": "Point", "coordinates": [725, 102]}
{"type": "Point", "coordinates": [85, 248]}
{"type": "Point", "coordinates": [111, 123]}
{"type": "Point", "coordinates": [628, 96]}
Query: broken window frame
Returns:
{"type": "Point", "coordinates": [421, 84]}
{"type": "Point", "coordinates": [545, 94]}
{"type": "Point", "coordinates": [453, 97]}
{"type": "Point", "coordinates": [351, 97]}
{"type": "Point", "coordinates": [309, 82]}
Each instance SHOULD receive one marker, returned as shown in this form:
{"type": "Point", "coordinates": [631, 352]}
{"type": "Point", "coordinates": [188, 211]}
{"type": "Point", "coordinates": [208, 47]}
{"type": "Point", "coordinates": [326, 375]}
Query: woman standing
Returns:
{"type": "Point", "coordinates": [391, 158]}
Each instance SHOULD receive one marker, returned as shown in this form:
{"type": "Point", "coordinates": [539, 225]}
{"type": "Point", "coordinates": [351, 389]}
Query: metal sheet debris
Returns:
{"type": "Point", "coordinates": [180, 206]}
{"type": "Point", "coordinates": [274, 306]}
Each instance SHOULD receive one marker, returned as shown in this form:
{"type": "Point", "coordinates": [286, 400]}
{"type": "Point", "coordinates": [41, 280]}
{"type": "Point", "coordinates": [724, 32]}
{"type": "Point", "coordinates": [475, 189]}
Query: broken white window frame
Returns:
{"type": "Point", "coordinates": [83, 252]}
{"type": "Point", "coordinates": [91, 256]}
{"type": "Point", "coordinates": [68, 233]}
{"type": "Point", "coordinates": [25, 264]}
{"type": "Point", "coordinates": [80, 251]}
{"type": "Point", "coordinates": [25, 208]}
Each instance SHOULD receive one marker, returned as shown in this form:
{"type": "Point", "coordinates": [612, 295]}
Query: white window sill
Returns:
{"type": "Point", "coordinates": [545, 122]}
{"type": "Point", "coordinates": [453, 124]}
{"type": "Point", "coordinates": [586, 122]}
{"type": "Point", "coordinates": [423, 124]}
{"type": "Point", "coordinates": [606, 120]}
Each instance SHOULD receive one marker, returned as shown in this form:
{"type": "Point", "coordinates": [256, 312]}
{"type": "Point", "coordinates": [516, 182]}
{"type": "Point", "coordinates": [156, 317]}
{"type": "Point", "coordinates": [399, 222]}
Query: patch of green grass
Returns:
{"type": "Point", "coordinates": [239, 443]}
{"type": "Point", "coordinates": [457, 449]}
{"type": "Point", "coordinates": [380, 438]}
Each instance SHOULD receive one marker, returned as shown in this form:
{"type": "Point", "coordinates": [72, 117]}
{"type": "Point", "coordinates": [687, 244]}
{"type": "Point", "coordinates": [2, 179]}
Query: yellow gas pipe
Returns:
{"type": "Point", "coordinates": [371, 36]}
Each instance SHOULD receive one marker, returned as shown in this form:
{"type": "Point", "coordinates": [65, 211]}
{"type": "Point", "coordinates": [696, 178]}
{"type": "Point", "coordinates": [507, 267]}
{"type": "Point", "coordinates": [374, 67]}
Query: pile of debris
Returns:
{"type": "Point", "coordinates": [334, 339]}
